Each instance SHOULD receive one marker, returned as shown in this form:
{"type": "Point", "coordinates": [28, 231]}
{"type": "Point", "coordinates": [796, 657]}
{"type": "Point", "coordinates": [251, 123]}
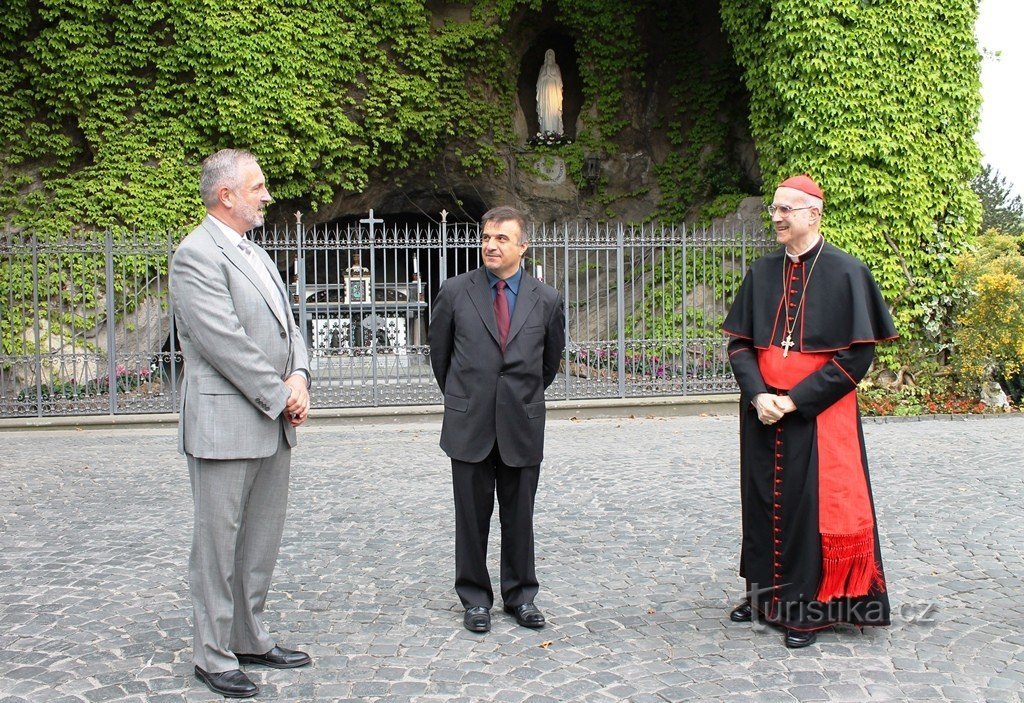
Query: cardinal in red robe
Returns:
{"type": "Point", "coordinates": [803, 329]}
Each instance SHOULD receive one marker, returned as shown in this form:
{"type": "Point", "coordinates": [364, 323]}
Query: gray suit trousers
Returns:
{"type": "Point", "coordinates": [240, 508]}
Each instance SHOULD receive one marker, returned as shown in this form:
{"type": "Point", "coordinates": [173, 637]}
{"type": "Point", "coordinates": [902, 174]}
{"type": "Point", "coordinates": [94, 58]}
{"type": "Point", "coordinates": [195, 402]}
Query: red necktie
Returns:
{"type": "Point", "coordinates": [501, 314]}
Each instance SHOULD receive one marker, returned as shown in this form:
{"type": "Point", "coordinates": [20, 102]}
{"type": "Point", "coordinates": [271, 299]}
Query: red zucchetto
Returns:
{"type": "Point", "coordinates": [804, 184]}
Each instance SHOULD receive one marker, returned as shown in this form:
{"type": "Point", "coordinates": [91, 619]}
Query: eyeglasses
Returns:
{"type": "Point", "coordinates": [785, 210]}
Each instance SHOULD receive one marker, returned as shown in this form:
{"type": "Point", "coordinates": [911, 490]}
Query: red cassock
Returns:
{"type": "Point", "coordinates": [807, 329]}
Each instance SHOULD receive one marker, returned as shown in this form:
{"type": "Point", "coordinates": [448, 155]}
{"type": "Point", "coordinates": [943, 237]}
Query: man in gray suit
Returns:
{"type": "Point", "coordinates": [244, 392]}
{"type": "Point", "coordinates": [496, 339]}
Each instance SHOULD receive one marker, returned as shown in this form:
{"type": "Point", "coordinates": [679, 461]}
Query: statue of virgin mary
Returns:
{"type": "Point", "coordinates": [549, 95]}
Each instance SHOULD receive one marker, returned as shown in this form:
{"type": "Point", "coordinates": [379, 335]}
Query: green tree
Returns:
{"type": "Point", "coordinates": [1000, 209]}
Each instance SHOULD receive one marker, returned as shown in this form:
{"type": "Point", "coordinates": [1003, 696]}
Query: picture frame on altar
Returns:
{"type": "Point", "coordinates": [357, 289]}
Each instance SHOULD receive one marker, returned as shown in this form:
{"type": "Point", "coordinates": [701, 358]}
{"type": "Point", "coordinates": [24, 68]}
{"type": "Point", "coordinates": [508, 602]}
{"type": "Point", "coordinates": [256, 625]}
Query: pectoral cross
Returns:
{"type": "Point", "coordinates": [787, 344]}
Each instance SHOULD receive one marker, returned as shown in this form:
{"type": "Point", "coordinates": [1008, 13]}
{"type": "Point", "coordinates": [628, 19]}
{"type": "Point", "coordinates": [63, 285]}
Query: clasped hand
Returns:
{"type": "Point", "coordinates": [771, 408]}
{"type": "Point", "coordinates": [297, 407]}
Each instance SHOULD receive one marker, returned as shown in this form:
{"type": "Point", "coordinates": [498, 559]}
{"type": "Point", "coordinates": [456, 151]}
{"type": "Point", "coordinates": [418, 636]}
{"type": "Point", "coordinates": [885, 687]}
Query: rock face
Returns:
{"type": "Point", "coordinates": [541, 180]}
{"type": "Point", "coordinates": [81, 358]}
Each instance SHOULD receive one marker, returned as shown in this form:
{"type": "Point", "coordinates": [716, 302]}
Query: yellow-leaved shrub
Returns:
{"type": "Point", "coordinates": [989, 335]}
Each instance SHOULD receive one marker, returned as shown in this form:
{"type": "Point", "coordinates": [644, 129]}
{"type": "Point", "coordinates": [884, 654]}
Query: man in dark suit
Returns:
{"type": "Point", "coordinates": [244, 392]}
{"type": "Point", "coordinates": [496, 339]}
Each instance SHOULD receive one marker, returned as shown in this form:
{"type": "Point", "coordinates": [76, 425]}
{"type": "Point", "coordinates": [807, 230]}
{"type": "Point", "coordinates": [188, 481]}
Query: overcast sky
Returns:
{"type": "Point", "coordinates": [1000, 28]}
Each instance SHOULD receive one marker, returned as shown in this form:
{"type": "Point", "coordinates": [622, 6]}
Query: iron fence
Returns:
{"type": "Point", "coordinates": [88, 325]}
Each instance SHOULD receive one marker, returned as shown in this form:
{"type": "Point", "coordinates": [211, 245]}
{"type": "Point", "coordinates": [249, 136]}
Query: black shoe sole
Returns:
{"type": "Point", "coordinates": [226, 694]}
{"type": "Point", "coordinates": [801, 645]}
{"type": "Point", "coordinates": [251, 661]}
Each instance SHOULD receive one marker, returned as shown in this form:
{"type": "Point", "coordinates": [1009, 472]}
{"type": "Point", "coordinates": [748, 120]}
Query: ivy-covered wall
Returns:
{"type": "Point", "coordinates": [108, 106]}
{"type": "Point", "coordinates": [879, 100]}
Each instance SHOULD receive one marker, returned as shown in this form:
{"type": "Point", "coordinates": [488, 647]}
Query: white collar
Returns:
{"type": "Point", "coordinates": [796, 257]}
{"type": "Point", "coordinates": [233, 236]}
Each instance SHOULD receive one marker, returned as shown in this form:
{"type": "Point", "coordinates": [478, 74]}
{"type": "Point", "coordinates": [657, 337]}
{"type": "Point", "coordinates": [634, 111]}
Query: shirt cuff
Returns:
{"type": "Point", "coordinates": [304, 373]}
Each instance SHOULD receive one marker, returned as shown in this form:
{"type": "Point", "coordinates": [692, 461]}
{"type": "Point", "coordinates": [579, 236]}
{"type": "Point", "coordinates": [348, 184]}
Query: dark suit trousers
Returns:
{"type": "Point", "coordinates": [475, 485]}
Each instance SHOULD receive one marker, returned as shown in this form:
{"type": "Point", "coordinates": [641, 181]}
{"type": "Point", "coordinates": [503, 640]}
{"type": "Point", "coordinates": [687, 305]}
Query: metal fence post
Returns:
{"type": "Point", "coordinates": [372, 222]}
{"type": "Point", "coordinates": [565, 302]}
{"type": "Point", "coordinates": [37, 333]}
{"type": "Point", "coordinates": [620, 304]}
{"type": "Point", "coordinates": [685, 277]}
{"type": "Point", "coordinates": [173, 334]}
{"type": "Point", "coordinates": [300, 275]}
{"type": "Point", "coordinates": [108, 254]}
{"type": "Point", "coordinates": [442, 259]}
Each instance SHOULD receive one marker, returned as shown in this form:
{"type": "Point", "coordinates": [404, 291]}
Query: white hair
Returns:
{"type": "Point", "coordinates": [220, 170]}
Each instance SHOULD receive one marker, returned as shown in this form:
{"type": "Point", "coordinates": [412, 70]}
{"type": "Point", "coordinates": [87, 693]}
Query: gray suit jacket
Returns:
{"type": "Point", "coordinates": [237, 351]}
{"type": "Point", "coordinates": [490, 397]}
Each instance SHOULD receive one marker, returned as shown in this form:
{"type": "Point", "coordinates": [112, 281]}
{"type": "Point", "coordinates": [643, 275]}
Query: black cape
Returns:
{"type": "Point", "coordinates": [844, 305]}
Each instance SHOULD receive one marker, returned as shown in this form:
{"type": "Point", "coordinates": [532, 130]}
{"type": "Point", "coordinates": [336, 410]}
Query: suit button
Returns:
{"type": "Point", "coordinates": [283, 335]}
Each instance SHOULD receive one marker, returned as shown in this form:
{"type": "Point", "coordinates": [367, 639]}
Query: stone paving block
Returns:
{"type": "Point", "coordinates": [995, 696]}
{"type": "Point", "coordinates": [847, 692]}
{"type": "Point", "coordinates": [876, 692]}
{"type": "Point", "coordinates": [960, 693]}
{"type": "Point", "coordinates": [167, 683]}
{"type": "Point", "coordinates": [771, 696]}
{"type": "Point", "coordinates": [25, 689]}
{"type": "Point", "coordinates": [106, 693]}
{"type": "Point", "coordinates": [921, 693]}
{"type": "Point", "coordinates": [1005, 684]}
{"type": "Point", "coordinates": [809, 693]}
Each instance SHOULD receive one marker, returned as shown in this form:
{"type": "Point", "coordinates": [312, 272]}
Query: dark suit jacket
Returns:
{"type": "Point", "coordinates": [490, 397]}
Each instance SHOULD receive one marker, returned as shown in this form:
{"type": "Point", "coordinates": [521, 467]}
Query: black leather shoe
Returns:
{"type": "Point", "coordinates": [278, 658]}
{"type": "Point", "coordinates": [796, 639]}
{"type": "Point", "coordinates": [742, 613]}
{"type": "Point", "coordinates": [231, 684]}
{"type": "Point", "coordinates": [526, 614]}
{"type": "Point", "coordinates": [477, 619]}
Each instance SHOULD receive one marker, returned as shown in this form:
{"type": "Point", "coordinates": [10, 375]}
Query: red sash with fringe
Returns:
{"type": "Point", "coordinates": [845, 518]}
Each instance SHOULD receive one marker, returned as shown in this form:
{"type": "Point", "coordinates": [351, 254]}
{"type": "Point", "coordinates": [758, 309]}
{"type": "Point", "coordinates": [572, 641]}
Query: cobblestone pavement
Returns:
{"type": "Point", "coordinates": [637, 529]}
